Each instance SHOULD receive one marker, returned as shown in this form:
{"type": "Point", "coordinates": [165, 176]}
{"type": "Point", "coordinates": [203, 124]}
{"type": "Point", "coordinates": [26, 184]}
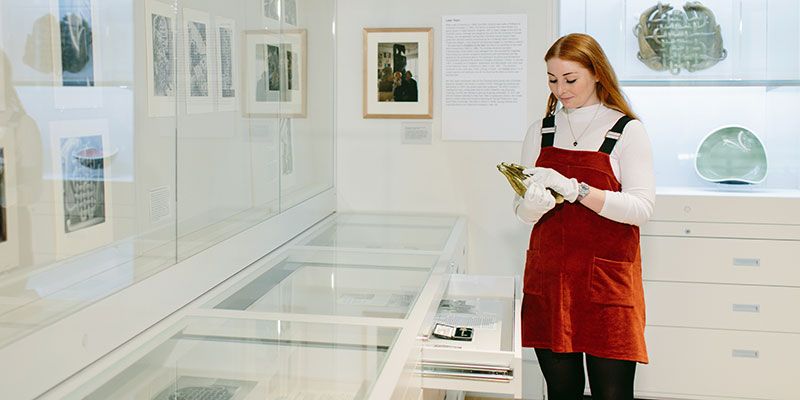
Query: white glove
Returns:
{"type": "Point", "coordinates": [536, 203]}
{"type": "Point", "coordinates": [550, 178]}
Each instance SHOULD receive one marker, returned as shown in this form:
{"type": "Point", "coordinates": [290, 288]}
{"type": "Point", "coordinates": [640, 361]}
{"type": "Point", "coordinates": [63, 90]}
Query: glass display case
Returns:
{"type": "Point", "coordinates": [389, 232]}
{"type": "Point", "coordinates": [337, 283]}
{"type": "Point", "coordinates": [238, 359]}
{"type": "Point", "coordinates": [136, 134]}
{"type": "Point", "coordinates": [716, 83]}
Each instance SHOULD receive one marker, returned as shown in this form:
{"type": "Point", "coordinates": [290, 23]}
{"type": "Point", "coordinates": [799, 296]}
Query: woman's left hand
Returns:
{"type": "Point", "coordinates": [567, 187]}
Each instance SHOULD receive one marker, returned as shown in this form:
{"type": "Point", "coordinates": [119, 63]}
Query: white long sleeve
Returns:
{"type": "Point", "coordinates": [631, 159]}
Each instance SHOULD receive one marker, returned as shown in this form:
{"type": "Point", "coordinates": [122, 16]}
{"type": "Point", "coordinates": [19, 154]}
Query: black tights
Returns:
{"type": "Point", "coordinates": [609, 379]}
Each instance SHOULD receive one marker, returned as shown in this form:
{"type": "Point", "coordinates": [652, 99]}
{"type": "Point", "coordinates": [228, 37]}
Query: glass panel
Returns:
{"type": "Point", "coordinates": [248, 359]}
{"type": "Point", "coordinates": [385, 285]}
{"type": "Point", "coordinates": [396, 232]}
{"type": "Point", "coordinates": [86, 172]}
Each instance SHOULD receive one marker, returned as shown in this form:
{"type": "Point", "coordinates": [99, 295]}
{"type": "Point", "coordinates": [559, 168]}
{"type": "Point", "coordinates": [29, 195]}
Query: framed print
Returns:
{"type": "Point", "coordinates": [197, 72]}
{"type": "Point", "coordinates": [9, 241]}
{"type": "Point", "coordinates": [161, 59]}
{"type": "Point", "coordinates": [227, 77]}
{"type": "Point", "coordinates": [289, 11]}
{"type": "Point", "coordinates": [76, 58]}
{"type": "Point", "coordinates": [270, 9]}
{"type": "Point", "coordinates": [398, 72]}
{"type": "Point", "coordinates": [81, 158]}
{"type": "Point", "coordinates": [275, 73]}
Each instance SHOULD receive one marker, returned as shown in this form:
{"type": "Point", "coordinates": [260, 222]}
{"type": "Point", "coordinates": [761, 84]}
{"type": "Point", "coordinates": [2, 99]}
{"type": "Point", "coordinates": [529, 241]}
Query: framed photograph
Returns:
{"type": "Point", "coordinates": [81, 157]}
{"type": "Point", "coordinates": [161, 59]}
{"type": "Point", "coordinates": [275, 73]}
{"type": "Point", "coordinates": [398, 73]}
{"type": "Point", "coordinates": [197, 44]}
{"type": "Point", "coordinates": [270, 9]}
{"type": "Point", "coordinates": [289, 11]}
{"type": "Point", "coordinates": [227, 77]}
{"type": "Point", "coordinates": [9, 242]}
{"type": "Point", "coordinates": [75, 49]}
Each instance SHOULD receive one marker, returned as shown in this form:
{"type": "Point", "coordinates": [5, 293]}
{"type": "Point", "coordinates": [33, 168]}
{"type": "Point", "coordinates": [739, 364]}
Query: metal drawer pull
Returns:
{"type": "Point", "coordinates": [746, 308]}
{"type": "Point", "coordinates": [745, 353]}
{"type": "Point", "coordinates": [747, 262]}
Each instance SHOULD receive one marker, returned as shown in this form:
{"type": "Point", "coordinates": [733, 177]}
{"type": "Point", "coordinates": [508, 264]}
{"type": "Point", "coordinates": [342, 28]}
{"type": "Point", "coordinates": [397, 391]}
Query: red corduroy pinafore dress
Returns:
{"type": "Point", "coordinates": [583, 274]}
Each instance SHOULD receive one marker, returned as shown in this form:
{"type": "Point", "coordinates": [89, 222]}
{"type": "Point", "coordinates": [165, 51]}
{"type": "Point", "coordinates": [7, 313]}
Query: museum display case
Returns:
{"type": "Point", "coordinates": [249, 359]}
{"type": "Point", "coordinates": [717, 85]}
{"type": "Point", "coordinates": [141, 141]}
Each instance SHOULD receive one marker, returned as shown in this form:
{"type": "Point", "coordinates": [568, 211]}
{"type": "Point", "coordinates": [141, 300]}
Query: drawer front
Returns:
{"type": "Point", "coordinates": [738, 307]}
{"type": "Point", "coordinates": [710, 260]}
{"type": "Point", "coordinates": [703, 362]}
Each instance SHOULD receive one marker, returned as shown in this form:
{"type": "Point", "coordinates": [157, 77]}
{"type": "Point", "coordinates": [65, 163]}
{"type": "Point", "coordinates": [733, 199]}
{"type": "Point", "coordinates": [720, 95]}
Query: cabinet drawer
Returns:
{"type": "Point", "coordinates": [738, 307]}
{"type": "Point", "coordinates": [694, 363]}
{"type": "Point", "coordinates": [492, 361]}
{"type": "Point", "coordinates": [710, 260]}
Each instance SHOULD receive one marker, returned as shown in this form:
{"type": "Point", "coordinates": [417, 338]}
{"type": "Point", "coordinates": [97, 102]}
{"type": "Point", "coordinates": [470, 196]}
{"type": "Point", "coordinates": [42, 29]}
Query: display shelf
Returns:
{"type": "Point", "coordinates": [249, 359]}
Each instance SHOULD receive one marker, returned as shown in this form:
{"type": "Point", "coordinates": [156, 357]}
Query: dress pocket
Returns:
{"type": "Point", "coordinates": [612, 282]}
{"type": "Point", "coordinates": [532, 281]}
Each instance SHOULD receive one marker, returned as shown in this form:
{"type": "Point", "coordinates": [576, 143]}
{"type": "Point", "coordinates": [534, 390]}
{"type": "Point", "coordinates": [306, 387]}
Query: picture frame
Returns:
{"type": "Point", "coordinates": [227, 77]}
{"type": "Point", "coordinates": [278, 12]}
{"type": "Point", "coordinates": [198, 46]}
{"type": "Point", "coordinates": [160, 38]}
{"type": "Point", "coordinates": [392, 51]}
{"type": "Point", "coordinates": [76, 57]}
{"type": "Point", "coordinates": [81, 157]}
{"type": "Point", "coordinates": [275, 73]}
{"type": "Point", "coordinates": [9, 229]}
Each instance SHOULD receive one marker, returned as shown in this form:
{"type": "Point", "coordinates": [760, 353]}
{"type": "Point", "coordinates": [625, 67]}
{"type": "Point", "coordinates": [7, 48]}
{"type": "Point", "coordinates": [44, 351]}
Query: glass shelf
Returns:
{"type": "Point", "coordinates": [332, 283]}
{"type": "Point", "coordinates": [249, 359]}
{"type": "Point", "coordinates": [390, 232]}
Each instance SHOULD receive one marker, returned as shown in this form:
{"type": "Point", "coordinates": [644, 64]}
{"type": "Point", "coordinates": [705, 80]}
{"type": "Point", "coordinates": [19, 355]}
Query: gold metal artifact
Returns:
{"type": "Point", "coordinates": [513, 172]}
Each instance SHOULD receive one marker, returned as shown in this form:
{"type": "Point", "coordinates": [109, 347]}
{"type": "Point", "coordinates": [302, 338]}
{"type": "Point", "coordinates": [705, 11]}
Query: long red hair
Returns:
{"type": "Point", "coordinates": [584, 49]}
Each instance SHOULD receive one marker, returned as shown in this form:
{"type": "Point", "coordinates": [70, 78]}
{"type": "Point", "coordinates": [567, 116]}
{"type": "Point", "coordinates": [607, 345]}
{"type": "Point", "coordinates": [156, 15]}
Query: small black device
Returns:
{"type": "Point", "coordinates": [444, 331]}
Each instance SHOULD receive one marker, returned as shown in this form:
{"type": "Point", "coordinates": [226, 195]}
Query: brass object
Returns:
{"type": "Point", "coordinates": [674, 39]}
{"type": "Point", "coordinates": [513, 172]}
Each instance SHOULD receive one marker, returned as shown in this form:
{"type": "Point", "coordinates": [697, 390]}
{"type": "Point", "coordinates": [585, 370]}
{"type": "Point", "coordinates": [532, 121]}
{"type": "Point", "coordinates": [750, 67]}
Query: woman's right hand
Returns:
{"type": "Point", "coordinates": [536, 202]}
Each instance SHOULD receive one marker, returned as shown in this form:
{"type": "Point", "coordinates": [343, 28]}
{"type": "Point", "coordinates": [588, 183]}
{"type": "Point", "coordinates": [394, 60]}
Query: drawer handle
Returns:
{"type": "Point", "coordinates": [754, 308]}
{"type": "Point", "coordinates": [747, 262]}
{"type": "Point", "coordinates": [744, 353]}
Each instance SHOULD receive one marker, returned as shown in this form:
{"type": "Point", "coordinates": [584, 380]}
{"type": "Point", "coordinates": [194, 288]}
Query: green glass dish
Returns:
{"type": "Point", "coordinates": [731, 155]}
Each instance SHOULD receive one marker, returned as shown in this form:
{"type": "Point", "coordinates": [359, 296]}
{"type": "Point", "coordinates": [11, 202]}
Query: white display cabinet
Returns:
{"type": "Point", "coordinates": [719, 258]}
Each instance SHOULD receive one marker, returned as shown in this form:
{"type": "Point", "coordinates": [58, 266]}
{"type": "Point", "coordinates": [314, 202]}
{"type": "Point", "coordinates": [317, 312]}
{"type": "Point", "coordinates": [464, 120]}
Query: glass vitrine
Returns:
{"type": "Point", "coordinates": [390, 232]}
{"type": "Point", "coordinates": [237, 359]}
{"type": "Point", "coordinates": [334, 283]}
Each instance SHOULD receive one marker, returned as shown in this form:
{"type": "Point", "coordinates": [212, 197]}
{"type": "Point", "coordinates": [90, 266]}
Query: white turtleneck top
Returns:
{"type": "Point", "coordinates": [631, 158]}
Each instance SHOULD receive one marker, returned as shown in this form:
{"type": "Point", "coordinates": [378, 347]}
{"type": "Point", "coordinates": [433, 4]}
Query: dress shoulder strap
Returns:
{"type": "Point", "coordinates": [613, 135]}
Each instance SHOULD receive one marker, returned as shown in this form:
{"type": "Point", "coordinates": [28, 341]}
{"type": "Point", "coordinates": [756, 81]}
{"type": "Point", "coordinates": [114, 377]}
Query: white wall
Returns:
{"type": "Point", "coordinates": [375, 172]}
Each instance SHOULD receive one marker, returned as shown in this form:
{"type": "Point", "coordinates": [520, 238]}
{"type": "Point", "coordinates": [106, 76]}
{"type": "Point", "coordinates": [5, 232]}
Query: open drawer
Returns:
{"type": "Point", "coordinates": [492, 361]}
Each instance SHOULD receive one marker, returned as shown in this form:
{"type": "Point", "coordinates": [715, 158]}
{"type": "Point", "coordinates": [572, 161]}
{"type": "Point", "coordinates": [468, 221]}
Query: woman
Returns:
{"type": "Point", "coordinates": [583, 274]}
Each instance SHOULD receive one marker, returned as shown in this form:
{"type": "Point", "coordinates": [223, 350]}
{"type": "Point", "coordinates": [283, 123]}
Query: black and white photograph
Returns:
{"type": "Point", "coordinates": [226, 62]}
{"type": "Point", "coordinates": [289, 11]}
{"type": "Point", "coordinates": [84, 182]}
{"type": "Point", "coordinates": [274, 73]}
{"type": "Point", "coordinates": [287, 151]}
{"type": "Point", "coordinates": [163, 53]}
{"type": "Point", "coordinates": [198, 59]}
{"type": "Point", "coordinates": [270, 8]}
{"type": "Point", "coordinates": [397, 69]}
{"type": "Point", "coordinates": [398, 73]}
{"type": "Point", "coordinates": [76, 42]}
{"type": "Point", "coordinates": [161, 40]}
{"type": "Point", "coordinates": [197, 64]}
{"type": "Point", "coordinates": [3, 218]}
{"type": "Point", "coordinates": [226, 73]}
